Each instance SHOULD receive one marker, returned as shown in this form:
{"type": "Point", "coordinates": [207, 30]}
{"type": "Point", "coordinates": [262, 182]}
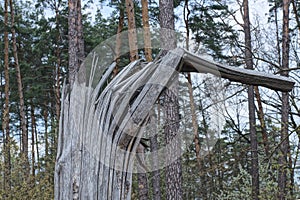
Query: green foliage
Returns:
{"type": "Point", "coordinates": [42, 40]}
{"type": "Point", "coordinates": [210, 27]}
{"type": "Point", "coordinates": [240, 187]}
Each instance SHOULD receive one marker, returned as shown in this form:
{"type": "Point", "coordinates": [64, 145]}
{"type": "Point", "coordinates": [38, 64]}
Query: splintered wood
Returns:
{"type": "Point", "coordinates": [101, 124]}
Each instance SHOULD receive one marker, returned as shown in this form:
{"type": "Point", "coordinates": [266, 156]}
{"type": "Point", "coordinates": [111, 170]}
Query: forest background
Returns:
{"type": "Point", "coordinates": [34, 62]}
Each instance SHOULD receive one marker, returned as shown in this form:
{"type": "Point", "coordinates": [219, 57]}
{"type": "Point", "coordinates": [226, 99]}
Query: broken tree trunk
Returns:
{"type": "Point", "coordinates": [101, 125]}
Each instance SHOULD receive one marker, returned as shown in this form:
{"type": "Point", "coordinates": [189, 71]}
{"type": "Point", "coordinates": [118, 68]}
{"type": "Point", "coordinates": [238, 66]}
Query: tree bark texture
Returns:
{"type": "Point", "coordinates": [261, 117]}
{"type": "Point", "coordinates": [33, 130]}
{"type": "Point", "coordinates": [170, 104]}
{"type": "Point", "coordinates": [119, 39]}
{"type": "Point", "coordinates": [21, 95]}
{"type": "Point", "coordinates": [284, 148]}
{"type": "Point", "coordinates": [156, 173]}
{"type": "Point", "coordinates": [58, 65]}
{"type": "Point", "coordinates": [167, 25]}
{"type": "Point", "coordinates": [133, 48]}
{"type": "Point", "coordinates": [5, 124]}
{"type": "Point", "coordinates": [75, 35]}
{"type": "Point", "coordinates": [143, 191]}
{"type": "Point", "coordinates": [251, 105]}
{"type": "Point", "coordinates": [91, 137]}
{"type": "Point", "coordinates": [132, 36]}
{"type": "Point", "coordinates": [147, 34]}
{"type": "Point", "coordinates": [194, 122]}
{"type": "Point", "coordinates": [174, 169]}
{"type": "Point", "coordinates": [99, 136]}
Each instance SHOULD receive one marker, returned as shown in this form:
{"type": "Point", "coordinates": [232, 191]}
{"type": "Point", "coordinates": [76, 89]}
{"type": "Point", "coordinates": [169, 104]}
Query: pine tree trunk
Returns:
{"type": "Point", "coordinates": [58, 73]}
{"type": "Point", "coordinates": [156, 173]}
{"type": "Point", "coordinates": [119, 39]}
{"type": "Point", "coordinates": [132, 36]}
{"type": "Point", "coordinates": [294, 4]}
{"type": "Point", "coordinates": [261, 117]}
{"type": "Point", "coordinates": [80, 39]}
{"type": "Point", "coordinates": [194, 122]}
{"type": "Point", "coordinates": [142, 176]}
{"type": "Point", "coordinates": [153, 140]}
{"type": "Point", "coordinates": [168, 41]}
{"type": "Point", "coordinates": [251, 106]}
{"type": "Point", "coordinates": [174, 169]}
{"type": "Point", "coordinates": [133, 48]}
{"type": "Point", "coordinates": [154, 146]}
{"type": "Point", "coordinates": [75, 34]}
{"type": "Point", "coordinates": [167, 25]}
{"type": "Point", "coordinates": [5, 124]}
{"type": "Point", "coordinates": [21, 95]}
{"type": "Point", "coordinates": [146, 27]}
{"type": "Point", "coordinates": [277, 32]}
{"type": "Point", "coordinates": [283, 160]}
{"type": "Point", "coordinates": [33, 130]}
{"type": "Point", "coordinates": [37, 149]}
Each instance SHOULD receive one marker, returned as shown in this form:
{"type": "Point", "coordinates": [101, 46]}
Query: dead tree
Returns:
{"type": "Point", "coordinates": [101, 127]}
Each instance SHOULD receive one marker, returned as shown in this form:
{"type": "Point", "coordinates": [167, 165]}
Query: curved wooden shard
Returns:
{"type": "Point", "coordinates": [100, 125]}
{"type": "Point", "coordinates": [194, 63]}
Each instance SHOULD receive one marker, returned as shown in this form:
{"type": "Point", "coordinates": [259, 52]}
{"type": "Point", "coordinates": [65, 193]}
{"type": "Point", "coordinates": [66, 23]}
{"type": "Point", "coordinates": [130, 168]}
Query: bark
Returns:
{"type": "Point", "coordinates": [154, 146]}
{"type": "Point", "coordinates": [156, 173]}
{"type": "Point", "coordinates": [80, 34]}
{"type": "Point", "coordinates": [174, 169]}
{"type": "Point", "coordinates": [33, 130]}
{"type": "Point", "coordinates": [284, 147]}
{"type": "Point", "coordinates": [37, 150]}
{"type": "Point", "coordinates": [76, 55]}
{"type": "Point", "coordinates": [20, 90]}
{"type": "Point", "coordinates": [202, 168]}
{"type": "Point", "coordinates": [251, 106]}
{"type": "Point", "coordinates": [142, 176]}
{"type": "Point", "coordinates": [133, 48]}
{"type": "Point", "coordinates": [5, 124]}
{"type": "Point", "coordinates": [261, 117]}
{"type": "Point", "coordinates": [167, 25]}
{"type": "Point", "coordinates": [58, 64]}
{"type": "Point", "coordinates": [294, 3]}
{"type": "Point", "coordinates": [147, 34]}
{"type": "Point", "coordinates": [293, 166]}
{"type": "Point", "coordinates": [84, 144]}
{"type": "Point", "coordinates": [75, 35]}
{"type": "Point", "coordinates": [153, 140]}
{"type": "Point", "coordinates": [45, 115]}
{"type": "Point", "coordinates": [277, 33]}
{"type": "Point", "coordinates": [132, 36]}
{"type": "Point", "coordinates": [186, 14]}
{"type": "Point", "coordinates": [119, 39]}
{"type": "Point", "coordinates": [170, 104]}
{"type": "Point", "coordinates": [194, 122]}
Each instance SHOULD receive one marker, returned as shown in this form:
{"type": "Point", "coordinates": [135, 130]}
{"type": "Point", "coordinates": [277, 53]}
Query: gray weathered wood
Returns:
{"type": "Point", "coordinates": [100, 127]}
{"type": "Point", "coordinates": [194, 63]}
